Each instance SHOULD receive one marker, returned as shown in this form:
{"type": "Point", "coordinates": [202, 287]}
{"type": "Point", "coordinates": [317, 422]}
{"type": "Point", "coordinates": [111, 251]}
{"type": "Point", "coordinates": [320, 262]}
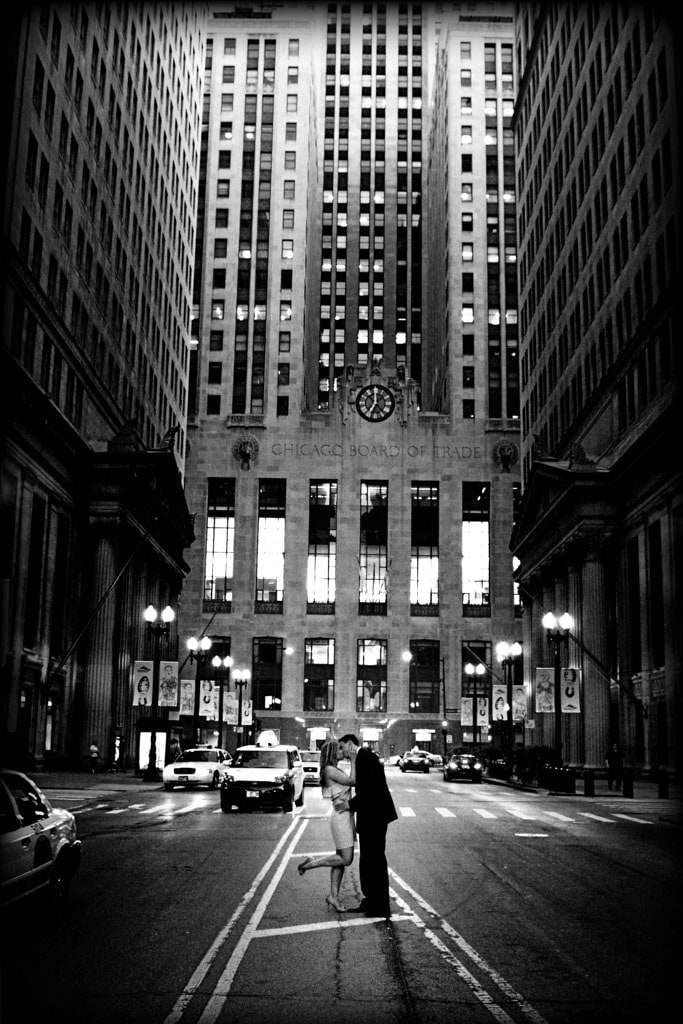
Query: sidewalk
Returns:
{"type": "Point", "coordinates": [105, 782]}
{"type": "Point", "coordinates": [643, 789]}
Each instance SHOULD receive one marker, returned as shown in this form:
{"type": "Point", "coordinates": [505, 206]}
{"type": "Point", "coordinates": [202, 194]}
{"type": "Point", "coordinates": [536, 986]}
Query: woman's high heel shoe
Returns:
{"type": "Point", "coordinates": [335, 904]}
{"type": "Point", "coordinates": [303, 865]}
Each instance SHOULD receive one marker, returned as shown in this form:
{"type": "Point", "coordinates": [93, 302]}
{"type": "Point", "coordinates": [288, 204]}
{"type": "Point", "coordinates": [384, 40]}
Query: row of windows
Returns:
{"type": "Point", "coordinates": [373, 546]}
{"type": "Point", "coordinates": [373, 658]}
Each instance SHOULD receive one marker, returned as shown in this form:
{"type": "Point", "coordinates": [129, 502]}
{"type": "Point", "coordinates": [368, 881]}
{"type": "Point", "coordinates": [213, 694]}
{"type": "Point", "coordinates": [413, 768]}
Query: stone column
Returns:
{"type": "Point", "coordinates": [99, 664]}
{"type": "Point", "coordinates": [594, 636]}
{"type": "Point", "coordinates": [575, 724]}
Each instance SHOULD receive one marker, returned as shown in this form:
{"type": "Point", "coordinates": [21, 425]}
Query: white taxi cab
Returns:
{"type": "Point", "coordinates": [264, 774]}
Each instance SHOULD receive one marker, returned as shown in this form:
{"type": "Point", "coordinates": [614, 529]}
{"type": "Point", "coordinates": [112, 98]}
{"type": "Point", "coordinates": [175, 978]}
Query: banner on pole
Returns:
{"type": "Point", "coordinates": [545, 690]}
{"type": "Point", "coordinates": [500, 703]}
{"type": "Point", "coordinates": [569, 691]}
{"type": "Point", "coordinates": [187, 696]}
{"type": "Point", "coordinates": [142, 684]}
{"type": "Point", "coordinates": [168, 684]}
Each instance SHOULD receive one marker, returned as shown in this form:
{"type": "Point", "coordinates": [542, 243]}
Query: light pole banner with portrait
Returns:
{"type": "Point", "coordinates": [187, 696]}
{"type": "Point", "coordinates": [466, 711]}
{"type": "Point", "coordinates": [230, 708]}
{"type": "Point", "coordinates": [208, 700]}
{"type": "Point", "coordinates": [168, 684]}
{"type": "Point", "coordinates": [569, 691]}
{"type": "Point", "coordinates": [545, 690]}
{"type": "Point", "coordinates": [499, 696]}
{"type": "Point", "coordinates": [518, 703]}
{"type": "Point", "coordinates": [142, 684]}
{"type": "Point", "coordinates": [247, 712]}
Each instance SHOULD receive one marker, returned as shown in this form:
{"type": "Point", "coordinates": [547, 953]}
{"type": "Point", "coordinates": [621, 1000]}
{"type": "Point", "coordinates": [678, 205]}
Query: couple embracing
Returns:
{"type": "Point", "coordinates": [374, 810]}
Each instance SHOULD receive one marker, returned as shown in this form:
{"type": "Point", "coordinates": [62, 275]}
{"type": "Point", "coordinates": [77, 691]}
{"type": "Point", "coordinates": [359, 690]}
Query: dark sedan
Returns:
{"type": "Point", "coordinates": [461, 765]}
{"type": "Point", "coordinates": [415, 761]}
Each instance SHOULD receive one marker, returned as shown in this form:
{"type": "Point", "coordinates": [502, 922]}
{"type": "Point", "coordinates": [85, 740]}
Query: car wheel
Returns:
{"type": "Point", "coordinates": [214, 781]}
{"type": "Point", "coordinates": [168, 786]}
{"type": "Point", "coordinates": [300, 801]}
{"type": "Point", "coordinates": [287, 800]}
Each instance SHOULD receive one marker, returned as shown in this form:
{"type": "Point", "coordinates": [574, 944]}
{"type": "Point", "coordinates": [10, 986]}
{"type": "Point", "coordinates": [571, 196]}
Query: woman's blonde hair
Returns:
{"type": "Point", "coordinates": [329, 755]}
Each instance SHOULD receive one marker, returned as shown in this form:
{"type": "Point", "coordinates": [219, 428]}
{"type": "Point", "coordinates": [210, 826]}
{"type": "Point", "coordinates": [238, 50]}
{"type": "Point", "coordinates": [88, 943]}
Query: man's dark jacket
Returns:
{"type": "Point", "coordinates": [372, 801]}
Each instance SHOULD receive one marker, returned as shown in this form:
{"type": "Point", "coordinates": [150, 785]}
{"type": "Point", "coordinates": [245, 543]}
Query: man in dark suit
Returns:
{"type": "Point", "coordinates": [374, 809]}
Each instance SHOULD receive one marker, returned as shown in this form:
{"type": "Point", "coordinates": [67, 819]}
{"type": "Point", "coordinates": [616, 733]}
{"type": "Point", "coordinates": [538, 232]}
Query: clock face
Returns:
{"type": "Point", "coordinates": [375, 402]}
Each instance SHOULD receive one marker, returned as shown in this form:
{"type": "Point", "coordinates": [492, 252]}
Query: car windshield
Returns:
{"type": "Point", "coordinates": [260, 759]}
{"type": "Point", "coordinates": [199, 755]}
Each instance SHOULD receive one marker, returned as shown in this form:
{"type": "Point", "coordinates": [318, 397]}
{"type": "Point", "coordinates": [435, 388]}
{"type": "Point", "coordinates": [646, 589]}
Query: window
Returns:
{"type": "Point", "coordinates": [220, 540]}
{"type": "Point", "coordinates": [288, 219]}
{"type": "Point", "coordinates": [290, 160]}
{"type": "Point", "coordinates": [322, 544]}
{"type": "Point", "coordinates": [222, 192]}
{"type": "Point", "coordinates": [287, 248]}
{"type": "Point", "coordinates": [475, 546]}
{"type": "Point", "coordinates": [319, 675]}
{"type": "Point", "coordinates": [292, 75]}
{"type": "Point", "coordinates": [373, 550]}
{"type": "Point", "coordinates": [288, 189]}
{"type": "Point", "coordinates": [221, 218]}
{"type": "Point", "coordinates": [220, 248]}
{"type": "Point", "coordinates": [292, 103]}
{"type": "Point", "coordinates": [290, 131]}
{"type": "Point", "coordinates": [424, 677]}
{"type": "Point", "coordinates": [266, 673]}
{"type": "Point", "coordinates": [270, 549]}
{"type": "Point", "coordinates": [217, 309]}
{"type": "Point", "coordinates": [371, 675]}
{"type": "Point", "coordinates": [213, 405]}
{"type": "Point", "coordinates": [424, 546]}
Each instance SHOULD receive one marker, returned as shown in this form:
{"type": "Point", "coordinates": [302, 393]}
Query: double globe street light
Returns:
{"type": "Point", "coordinates": [199, 649]}
{"type": "Point", "coordinates": [557, 634]}
{"type": "Point", "coordinates": [158, 626]}
{"type": "Point", "coordinates": [475, 671]}
{"type": "Point", "coordinates": [507, 655]}
{"type": "Point", "coordinates": [222, 668]}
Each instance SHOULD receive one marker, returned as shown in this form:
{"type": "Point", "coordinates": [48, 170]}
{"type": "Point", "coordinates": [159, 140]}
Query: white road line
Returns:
{"type": "Point", "coordinates": [194, 806]}
{"type": "Point", "coordinates": [560, 817]}
{"type": "Point", "coordinates": [444, 812]}
{"type": "Point", "coordinates": [532, 835]}
{"type": "Point", "coordinates": [407, 812]}
{"type": "Point", "coordinates": [596, 817]}
{"type": "Point", "coordinates": [520, 814]}
{"type": "Point", "coordinates": [319, 926]}
{"type": "Point", "coordinates": [515, 997]}
{"type": "Point", "coordinates": [204, 965]}
{"type": "Point", "coordinates": [158, 809]}
{"type": "Point", "coordinates": [135, 807]}
{"type": "Point", "coordinates": [631, 817]}
{"type": "Point", "coordinates": [439, 791]}
{"type": "Point", "coordinates": [221, 991]}
{"type": "Point", "coordinates": [411, 791]}
{"type": "Point", "coordinates": [119, 810]}
{"type": "Point", "coordinates": [482, 813]}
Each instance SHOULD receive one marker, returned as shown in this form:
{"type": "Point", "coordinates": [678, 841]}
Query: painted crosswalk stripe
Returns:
{"type": "Point", "coordinates": [631, 817]}
{"type": "Point", "coordinates": [596, 817]}
{"type": "Point", "coordinates": [159, 809]}
{"type": "Point", "coordinates": [482, 813]}
{"type": "Point", "coordinates": [407, 812]}
{"type": "Point", "coordinates": [118, 810]}
{"type": "Point", "coordinates": [560, 817]}
{"type": "Point", "coordinates": [520, 814]}
{"type": "Point", "coordinates": [444, 812]}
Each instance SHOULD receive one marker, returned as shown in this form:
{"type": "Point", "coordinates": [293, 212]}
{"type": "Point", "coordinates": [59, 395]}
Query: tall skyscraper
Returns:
{"type": "Point", "coordinates": [353, 477]}
{"type": "Point", "coordinates": [599, 535]}
{"type": "Point", "coordinates": [100, 177]}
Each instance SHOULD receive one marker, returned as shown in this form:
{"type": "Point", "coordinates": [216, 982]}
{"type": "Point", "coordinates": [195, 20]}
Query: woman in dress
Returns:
{"type": "Point", "coordinates": [336, 786]}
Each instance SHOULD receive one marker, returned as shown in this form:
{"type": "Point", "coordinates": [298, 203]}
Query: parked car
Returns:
{"type": "Point", "coordinates": [39, 848]}
{"type": "Point", "coordinates": [264, 775]}
{"type": "Point", "coordinates": [415, 761]}
{"type": "Point", "coordinates": [435, 759]}
{"type": "Point", "coordinates": [394, 759]}
{"type": "Point", "coordinates": [462, 765]}
{"type": "Point", "coordinates": [311, 763]}
{"type": "Point", "coordinates": [197, 766]}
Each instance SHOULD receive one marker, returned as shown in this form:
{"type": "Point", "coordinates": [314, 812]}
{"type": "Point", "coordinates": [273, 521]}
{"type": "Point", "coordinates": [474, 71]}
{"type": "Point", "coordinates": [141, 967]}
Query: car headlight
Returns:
{"type": "Point", "coordinates": [228, 778]}
{"type": "Point", "coordinates": [281, 778]}
{"type": "Point", "coordinates": [477, 765]}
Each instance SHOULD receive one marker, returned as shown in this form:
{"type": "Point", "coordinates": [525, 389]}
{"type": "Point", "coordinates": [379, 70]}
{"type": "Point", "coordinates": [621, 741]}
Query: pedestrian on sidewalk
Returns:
{"type": "Point", "coordinates": [374, 810]}
{"type": "Point", "coordinates": [614, 759]}
{"type": "Point", "coordinates": [94, 753]}
{"type": "Point", "coordinates": [336, 786]}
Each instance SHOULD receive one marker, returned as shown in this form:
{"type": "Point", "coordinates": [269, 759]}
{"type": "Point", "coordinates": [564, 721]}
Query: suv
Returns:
{"type": "Point", "coordinates": [264, 775]}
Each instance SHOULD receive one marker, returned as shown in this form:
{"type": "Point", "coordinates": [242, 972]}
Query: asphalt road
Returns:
{"type": "Point", "coordinates": [508, 907]}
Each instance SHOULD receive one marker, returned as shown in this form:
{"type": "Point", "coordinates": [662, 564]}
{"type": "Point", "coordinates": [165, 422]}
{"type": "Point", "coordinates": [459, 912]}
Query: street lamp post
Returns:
{"type": "Point", "coordinates": [241, 677]}
{"type": "Point", "coordinates": [198, 651]}
{"type": "Point", "coordinates": [475, 671]}
{"type": "Point", "coordinates": [444, 723]}
{"type": "Point", "coordinates": [156, 630]}
{"type": "Point", "coordinates": [557, 632]}
{"type": "Point", "coordinates": [222, 667]}
{"type": "Point", "coordinates": [507, 656]}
